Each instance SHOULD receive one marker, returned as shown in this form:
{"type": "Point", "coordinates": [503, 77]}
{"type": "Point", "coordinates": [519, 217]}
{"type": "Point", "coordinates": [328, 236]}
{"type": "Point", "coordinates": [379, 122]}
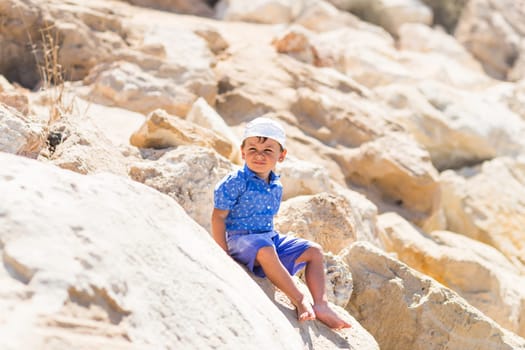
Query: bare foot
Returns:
{"type": "Point", "coordinates": [305, 311]}
{"type": "Point", "coordinates": [325, 314]}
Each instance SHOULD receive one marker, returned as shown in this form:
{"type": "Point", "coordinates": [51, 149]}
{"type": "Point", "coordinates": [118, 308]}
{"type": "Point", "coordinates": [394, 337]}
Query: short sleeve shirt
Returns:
{"type": "Point", "coordinates": [252, 203]}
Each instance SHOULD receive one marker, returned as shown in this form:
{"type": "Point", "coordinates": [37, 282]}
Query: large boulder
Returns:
{"type": "Point", "coordinates": [323, 218]}
{"type": "Point", "coordinates": [19, 134]}
{"type": "Point", "coordinates": [404, 309]}
{"type": "Point", "coordinates": [188, 174]}
{"type": "Point", "coordinates": [79, 144]}
{"type": "Point", "coordinates": [493, 31]}
{"type": "Point", "coordinates": [202, 114]}
{"type": "Point", "coordinates": [191, 7]}
{"type": "Point", "coordinates": [259, 11]}
{"type": "Point", "coordinates": [301, 177]}
{"type": "Point", "coordinates": [485, 203]}
{"type": "Point", "coordinates": [456, 127]}
{"type": "Point", "coordinates": [162, 130]}
{"type": "Point", "coordinates": [76, 36]}
{"type": "Point", "coordinates": [402, 174]}
{"type": "Point", "coordinates": [101, 261]}
{"type": "Point", "coordinates": [446, 12]}
{"type": "Point", "coordinates": [452, 259]}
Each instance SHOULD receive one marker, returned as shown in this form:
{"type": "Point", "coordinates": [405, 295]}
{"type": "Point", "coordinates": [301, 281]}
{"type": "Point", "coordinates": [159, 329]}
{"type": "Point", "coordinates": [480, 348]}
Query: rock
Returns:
{"type": "Point", "coordinates": [301, 177]}
{"type": "Point", "coordinates": [19, 134]}
{"type": "Point", "coordinates": [415, 311]}
{"type": "Point", "coordinates": [124, 84]}
{"type": "Point", "coordinates": [161, 130]}
{"type": "Point", "coordinates": [314, 334]}
{"type": "Point", "coordinates": [454, 126]}
{"type": "Point", "coordinates": [188, 174]}
{"type": "Point", "coordinates": [478, 206]}
{"type": "Point", "coordinates": [260, 11]}
{"type": "Point", "coordinates": [452, 259]}
{"type": "Point", "coordinates": [323, 218]}
{"type": "Point", "coordinates": [75, 36]}
{"type": "Point", "coordinates": [191, 7]}
{"type": "Point", "coordinates": [81, 146]}
{"type": "Point", "coordinates": [496, 25]}
{"type": "Point", "coordinates": [377, 165]}
{"type": "Point", "coordinates": [87, 261]}
{"type": "Point", "coordinates": [202, 114]}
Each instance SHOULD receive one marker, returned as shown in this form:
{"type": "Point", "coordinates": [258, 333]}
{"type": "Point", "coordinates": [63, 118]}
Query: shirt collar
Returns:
{"type": "Point", "coordinates": [250, 174]}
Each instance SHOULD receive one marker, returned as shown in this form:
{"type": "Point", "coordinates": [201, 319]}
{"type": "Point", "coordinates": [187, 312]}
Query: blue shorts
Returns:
{"type": "Point", "coordinates": [244, 247]}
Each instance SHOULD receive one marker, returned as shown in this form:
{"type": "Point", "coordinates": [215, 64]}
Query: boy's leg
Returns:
{"type": "Point", "coordinates": [315, 280]}
{"type": "Point", "coordinates": [279, 276]}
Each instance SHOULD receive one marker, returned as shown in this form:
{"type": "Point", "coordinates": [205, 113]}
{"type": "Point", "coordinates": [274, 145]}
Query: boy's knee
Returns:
{"type": "Point", "coordinates": [265, 253]}
{"type": "Point", "coordinates": [316, 249]}
{"type": "Point", "coordinates": [314, 252]}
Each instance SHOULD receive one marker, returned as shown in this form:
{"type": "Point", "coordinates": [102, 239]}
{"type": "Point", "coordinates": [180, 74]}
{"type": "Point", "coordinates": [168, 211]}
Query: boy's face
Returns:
{"type": "Point", "coordinates": [262, 155]}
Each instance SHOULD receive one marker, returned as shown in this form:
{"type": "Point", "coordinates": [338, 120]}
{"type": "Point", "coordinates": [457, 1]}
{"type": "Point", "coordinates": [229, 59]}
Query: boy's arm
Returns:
{"type": "Point", "coordinates": [218, 228]}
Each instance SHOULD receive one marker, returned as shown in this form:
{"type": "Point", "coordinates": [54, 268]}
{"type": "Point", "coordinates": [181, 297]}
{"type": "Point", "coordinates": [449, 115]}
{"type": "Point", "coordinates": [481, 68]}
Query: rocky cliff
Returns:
{"type": "Point", "coordinates": [406, 143]}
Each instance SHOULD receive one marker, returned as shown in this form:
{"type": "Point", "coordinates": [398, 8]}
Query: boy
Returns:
{"type": "Point", "coordinates": [245, 202]}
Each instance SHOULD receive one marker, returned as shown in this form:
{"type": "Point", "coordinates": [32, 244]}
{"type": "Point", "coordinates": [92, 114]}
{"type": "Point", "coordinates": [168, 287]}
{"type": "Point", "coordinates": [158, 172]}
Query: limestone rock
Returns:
{"type": "Point", "coordinates": [415, 311]}
{"type": "Point", "coordinates": [125, 84]}
{"type": "Point", "coordinates": [429, 40]}
{"type": "Point", "coordinates": [19, 134]}
{"type": "Point", "coordinates": [365, 215]}
{"type": "Point", "coordinates": [402, 174]}
{"type": "Point", "coordinates": [161, 130]}
{"type": "Point", "coordinates": [314, 334]}
{"type": "Point", "coordinates": [454, 126]}
{"type": "Point", "coordinates": [498, 289]}
{"type": "Point", "coordinates": [496, 25]}
{"type": "Point", "coordinates": [300, 177]}
{"type": "Point", "coordinates": [169, 67]}
{"type": "Point", "coordinates": [322, 16]}
{"type": "Point", "coordinates": [296, 43]}
{"type": "Point", "coordinates": [516, 100]}
{"type": "Point", "coordinates": [517, 72]}
{"type": "Point", "coordinates": [338, 279]}
{"type": "Point", "coordinates": [81, 146]}
{"type": "Point", "coordinates": [338, 282]}
{"type": "Point", "coordinates": [243, 92]}
{"type": "Point", "coordinates": [446, 12]}
{"type": "Point", "coordinates": [392, 14]}
{"type": "Point", "coordinates": [102, 261]}
{"type": "Point", "coordinates": [387, 13]}
{"type": "Point", "coordinates": [370, 57]}
{"type": "Point", "coordinates": [370, 116]}
{"type": "Point", "coordinates": [337, 117]}
{"type": "Point", "coordinates": [75, 35]}
{"type": "Point", "coordinates": [201, 113]}
{"type": "Point", "coordinates": [116, 124]}
{"type": "Point", "coordinates": [5, 86]}
{"type": "Point", "coordinates": [323, 218]}
{"type": "Point", "coordinates": [191, 7]}
{"type": "Point", "coordinates": [216, 42]}
{"type": "Point", "coordinates": [478, 206]}
{"type": "Point", "coordinates": [16, 100]}
{"type": "Point", "coordinates": [259, 11]}
{"type": "Point", "coordinates": [331, 220]}
{"type": "Point", "coordinates": [188, 174]}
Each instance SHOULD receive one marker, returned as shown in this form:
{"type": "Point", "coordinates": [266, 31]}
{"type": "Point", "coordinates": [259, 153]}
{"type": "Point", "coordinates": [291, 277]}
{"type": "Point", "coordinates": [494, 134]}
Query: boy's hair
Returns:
{"type": "Point", "coordinates": [262, 139]}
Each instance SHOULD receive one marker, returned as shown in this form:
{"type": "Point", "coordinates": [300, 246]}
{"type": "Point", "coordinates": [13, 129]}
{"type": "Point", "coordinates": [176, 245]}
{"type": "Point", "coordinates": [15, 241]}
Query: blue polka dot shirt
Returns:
{"type": "Point", "coordinates": [251, 201]}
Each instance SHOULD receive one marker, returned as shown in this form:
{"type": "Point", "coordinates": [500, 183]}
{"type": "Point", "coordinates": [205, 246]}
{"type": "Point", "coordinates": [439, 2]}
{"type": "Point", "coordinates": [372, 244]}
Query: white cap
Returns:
{"type": "Point", "coordinates": [265, 127]}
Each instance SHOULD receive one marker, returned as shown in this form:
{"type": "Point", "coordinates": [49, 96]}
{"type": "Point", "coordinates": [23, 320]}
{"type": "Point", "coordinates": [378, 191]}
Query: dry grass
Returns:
{"type": "Point", "coordinates": [52, 84]}
{"type": "Point", "coordinates": [52, 74]}
{"type": "Point", "coordinates": [46, 54]}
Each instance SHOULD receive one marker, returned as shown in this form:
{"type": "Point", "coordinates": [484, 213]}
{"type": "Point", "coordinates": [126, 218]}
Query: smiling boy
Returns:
{"type": "Point", "coordinates": [245, 202]}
